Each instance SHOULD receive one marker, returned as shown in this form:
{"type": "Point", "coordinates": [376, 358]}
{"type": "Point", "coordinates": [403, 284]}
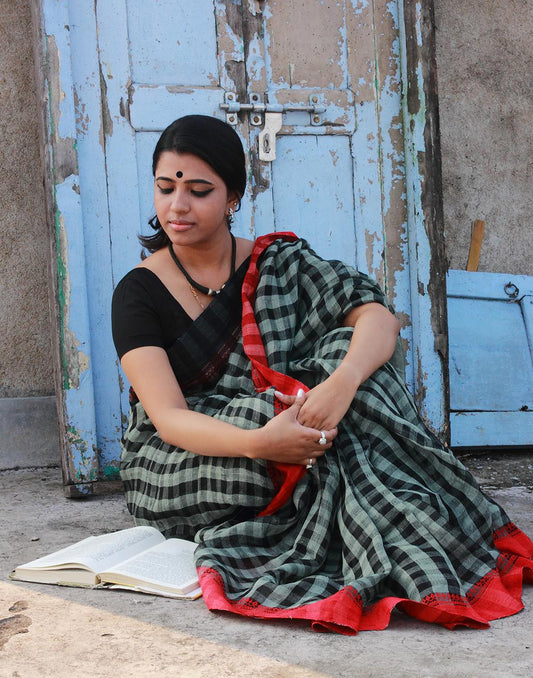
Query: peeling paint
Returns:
{"type": "Point", "coordinates": [321, 66]}
{"type": "Point", "coordinates": [421, 381]}
{"type": "Point", "coordinates": [425, 210]}
{"type": "Point", "coordinates": [373, 244]}
{"type": "Point", "coordinates": [65, 162]}
{"type": "Point", "coordinates": [107, 121]}
{"type": "Point", "coordinates": [85, 468]}
{"type": "Point", "coordinates": [70, 364]}
{"type": "Point", "coordinates": [74, 360]}
{"type": "Point", "coordinates": [82, 118]}
{"type": "Point", "coordinates": [112, 472]}
{"type": "Point", "coordinates": [231, 46]}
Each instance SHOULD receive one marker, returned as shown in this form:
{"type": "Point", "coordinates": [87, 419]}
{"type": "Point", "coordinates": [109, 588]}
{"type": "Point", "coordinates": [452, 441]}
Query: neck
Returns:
{"type": "Point", "coordinates": [212, 255]}
{"type": "Point", "coordinates": [210, 278]}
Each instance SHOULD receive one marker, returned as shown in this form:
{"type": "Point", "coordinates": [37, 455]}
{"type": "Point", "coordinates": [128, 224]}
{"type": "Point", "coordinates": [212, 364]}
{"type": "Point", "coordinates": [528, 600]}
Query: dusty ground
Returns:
{"type": "Point", "coordinates": [52, 631]}
{"type": "Point", "coordinates": [496, 470]}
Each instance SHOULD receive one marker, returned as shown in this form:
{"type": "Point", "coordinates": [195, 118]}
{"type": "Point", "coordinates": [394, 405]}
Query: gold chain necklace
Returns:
{"type": "Point", "coordinates": [195, 295]}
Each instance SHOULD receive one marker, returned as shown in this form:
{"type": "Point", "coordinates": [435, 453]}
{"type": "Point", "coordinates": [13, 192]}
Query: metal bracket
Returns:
{"type": "Point", "coordinates": [511, 290]}
{"type": "Point", "coordinates": [272, 116]}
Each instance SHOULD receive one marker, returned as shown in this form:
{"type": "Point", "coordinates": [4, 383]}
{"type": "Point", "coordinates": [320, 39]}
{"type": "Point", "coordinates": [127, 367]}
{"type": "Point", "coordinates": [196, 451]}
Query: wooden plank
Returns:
{"type": "Point", "coordinates": [486, 285]}
{"type": "Point", "coordinates": [77, 417]}
{"type": "Point", "coordinates": [491, 429]}
{"type": "Point", "coordinates": [427, 258]}
{"type": "Point", "coordinates": [475, 245]}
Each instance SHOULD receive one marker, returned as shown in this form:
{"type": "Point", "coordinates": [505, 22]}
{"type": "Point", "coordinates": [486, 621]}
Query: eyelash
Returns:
{"type": "Point", "coordinates": [197, 194]}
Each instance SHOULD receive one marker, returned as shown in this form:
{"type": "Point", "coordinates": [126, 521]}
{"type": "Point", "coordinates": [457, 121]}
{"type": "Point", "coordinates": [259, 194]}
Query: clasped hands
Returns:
{"type": "Point", "coordinates": [297, 435]}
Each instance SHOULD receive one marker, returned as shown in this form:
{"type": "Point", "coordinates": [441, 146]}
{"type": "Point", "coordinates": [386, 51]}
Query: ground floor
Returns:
{"type": "Point", "coordinates": [48, 631]}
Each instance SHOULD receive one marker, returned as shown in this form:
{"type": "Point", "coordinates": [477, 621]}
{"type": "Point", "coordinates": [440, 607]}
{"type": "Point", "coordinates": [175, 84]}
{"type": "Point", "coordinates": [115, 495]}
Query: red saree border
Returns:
{"type": "Point", "coordinates": [496, 595]}
{"type": "Point", "coordinates": [284, 476]}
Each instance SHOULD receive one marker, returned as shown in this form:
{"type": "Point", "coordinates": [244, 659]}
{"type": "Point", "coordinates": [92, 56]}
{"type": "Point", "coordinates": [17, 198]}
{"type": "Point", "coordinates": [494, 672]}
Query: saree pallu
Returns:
{"type": "Point", "coordinates": [388, 518]}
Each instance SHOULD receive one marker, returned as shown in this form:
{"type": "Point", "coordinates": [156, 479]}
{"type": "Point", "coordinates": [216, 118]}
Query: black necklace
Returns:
{"type": "Point", "coordinates": [201, 288]}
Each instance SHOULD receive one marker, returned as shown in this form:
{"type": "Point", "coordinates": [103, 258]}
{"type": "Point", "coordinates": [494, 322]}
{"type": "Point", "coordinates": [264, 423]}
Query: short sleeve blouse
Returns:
{"type": "Point", "coordinates": [144, 313]}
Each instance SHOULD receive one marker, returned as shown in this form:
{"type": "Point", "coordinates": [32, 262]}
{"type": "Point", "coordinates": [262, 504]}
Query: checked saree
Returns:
{"type": "Point", "coordinates": [388, 518]}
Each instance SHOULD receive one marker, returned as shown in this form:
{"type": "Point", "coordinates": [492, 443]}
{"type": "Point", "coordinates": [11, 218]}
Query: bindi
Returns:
{"type": "Point", "coordinates": [179, 174]}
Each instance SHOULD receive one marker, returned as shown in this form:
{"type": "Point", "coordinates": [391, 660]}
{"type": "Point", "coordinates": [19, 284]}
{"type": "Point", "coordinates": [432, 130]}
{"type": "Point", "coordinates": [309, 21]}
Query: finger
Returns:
{"type": "Point", "coordinates": [298, 401]}
{"type": "Point", "coordinates": [331, 433]}
{"type": "Point", "coordinates": [300, 397]}
{"type": "Point", "coordinates": [325, 439]}
{"type": "Point", "coordinates": [313, 419]}
{"type": "Point", "coordinates": [285, 398]}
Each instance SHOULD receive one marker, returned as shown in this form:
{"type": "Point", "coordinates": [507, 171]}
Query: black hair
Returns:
{"type": "Point", "coordinates": [213, 141]}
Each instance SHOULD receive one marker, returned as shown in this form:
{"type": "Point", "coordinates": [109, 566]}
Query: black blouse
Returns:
{"type": "Point", "coordinates": [144, 313]}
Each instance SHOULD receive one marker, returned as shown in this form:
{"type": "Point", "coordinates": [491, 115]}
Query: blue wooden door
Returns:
{"type": "Point", "coordinates": [491, 359]}
{"type": "Point", "coordinates": [324, 80]}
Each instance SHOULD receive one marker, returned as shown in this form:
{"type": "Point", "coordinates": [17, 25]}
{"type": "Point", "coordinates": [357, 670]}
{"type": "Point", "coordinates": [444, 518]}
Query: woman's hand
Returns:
{"type": "Point", "coordinates": [285, 439]}
{"type": "Point", "coordinates": [372, 344]}
{"type": "Point", "coordinates": [327, 403]}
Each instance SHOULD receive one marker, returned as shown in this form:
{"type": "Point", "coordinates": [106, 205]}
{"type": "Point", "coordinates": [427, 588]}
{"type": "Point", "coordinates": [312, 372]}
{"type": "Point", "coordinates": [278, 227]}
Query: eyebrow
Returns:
{"type": "Point", "coordinates": [187, 181]}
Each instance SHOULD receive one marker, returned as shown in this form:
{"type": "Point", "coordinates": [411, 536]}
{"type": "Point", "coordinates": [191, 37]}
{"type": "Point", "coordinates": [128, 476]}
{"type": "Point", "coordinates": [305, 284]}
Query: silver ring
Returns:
{"type": "Point", "coordinates": [322, 440]}
{"type": "Point", "coordinates": [310, 464]}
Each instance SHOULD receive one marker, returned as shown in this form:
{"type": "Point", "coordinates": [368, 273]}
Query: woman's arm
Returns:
{"type": "Point", "coordinates": [283, 439]}
{"type": "Point", "coordinates": [373, 343]}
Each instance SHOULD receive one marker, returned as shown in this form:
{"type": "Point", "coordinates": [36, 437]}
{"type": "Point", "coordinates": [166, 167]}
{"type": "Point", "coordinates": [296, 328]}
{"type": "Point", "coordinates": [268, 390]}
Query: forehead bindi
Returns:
{"type": "Point", "coordinates": [185, 167]}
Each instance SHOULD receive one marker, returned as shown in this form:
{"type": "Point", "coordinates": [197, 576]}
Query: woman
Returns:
{"type": "Point", "coordinates": [271, 424]}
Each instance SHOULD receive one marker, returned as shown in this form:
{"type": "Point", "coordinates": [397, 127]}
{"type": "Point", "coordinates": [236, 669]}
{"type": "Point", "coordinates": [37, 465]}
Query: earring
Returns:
{"type": "Point", "coordinates": [230, 215]}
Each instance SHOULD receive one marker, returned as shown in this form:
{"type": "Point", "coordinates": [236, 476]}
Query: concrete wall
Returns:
{"type": "Point", "coordinates": [25, 346]}
{"type": "Point", "coordinates": [485, 61]}
{"type": "Point", "coordinates": [485, 66]}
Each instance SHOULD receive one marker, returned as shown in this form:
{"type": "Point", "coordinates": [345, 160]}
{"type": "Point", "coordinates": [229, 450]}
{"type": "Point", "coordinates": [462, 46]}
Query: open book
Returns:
{"type": "Point", "coordinates": [137, 559]}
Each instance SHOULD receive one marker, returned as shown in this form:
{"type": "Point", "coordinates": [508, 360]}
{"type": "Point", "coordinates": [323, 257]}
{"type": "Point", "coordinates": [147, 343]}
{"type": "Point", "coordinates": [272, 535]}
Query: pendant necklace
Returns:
{"type": "Point", "coordinates": [192, 283]}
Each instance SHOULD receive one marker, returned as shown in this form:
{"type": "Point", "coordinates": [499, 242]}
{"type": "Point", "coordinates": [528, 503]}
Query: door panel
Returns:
{"type": "Point", "coordinates": [172, 42]}
{"type": "Point", "coordinates": [313, 193]}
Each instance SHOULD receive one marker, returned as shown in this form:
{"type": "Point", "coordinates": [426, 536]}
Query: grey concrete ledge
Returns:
{"type": "Point", "coordinates": [29, 432]}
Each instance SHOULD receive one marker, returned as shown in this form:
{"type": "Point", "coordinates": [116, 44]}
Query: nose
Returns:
{"type": "Point", "coordinates": [180, 200]}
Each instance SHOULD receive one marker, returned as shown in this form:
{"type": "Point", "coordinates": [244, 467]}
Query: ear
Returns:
{"type": "Point", "coordinates": [233, 200]}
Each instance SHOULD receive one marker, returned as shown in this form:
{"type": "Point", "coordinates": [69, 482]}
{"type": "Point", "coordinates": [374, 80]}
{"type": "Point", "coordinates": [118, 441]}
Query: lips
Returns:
{"type": "Point", "coordinates": [180, 226]}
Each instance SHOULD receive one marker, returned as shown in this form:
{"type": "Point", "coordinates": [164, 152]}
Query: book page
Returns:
{"type": "Point", "coordinates": [193, 594]}
{"type": "Point", "coordinates": [169, 566]}
{"type": "Point", "coordinates": [101, 552]}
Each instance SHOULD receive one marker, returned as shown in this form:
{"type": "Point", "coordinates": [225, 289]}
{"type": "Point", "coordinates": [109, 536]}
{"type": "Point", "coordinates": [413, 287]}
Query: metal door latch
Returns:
{"type": "Point", "coordinates": [267, 137]}
{"type": "Point", "coordinates": [272, 115]}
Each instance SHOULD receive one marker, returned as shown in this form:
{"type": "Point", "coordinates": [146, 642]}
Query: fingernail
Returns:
{"type": "Point", "coordinates": [300, 393]}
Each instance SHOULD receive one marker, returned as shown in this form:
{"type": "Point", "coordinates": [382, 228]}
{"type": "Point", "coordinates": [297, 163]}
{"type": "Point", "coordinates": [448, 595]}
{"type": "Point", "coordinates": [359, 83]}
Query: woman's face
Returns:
{"type": "Point", "coordinates": [191, 200]}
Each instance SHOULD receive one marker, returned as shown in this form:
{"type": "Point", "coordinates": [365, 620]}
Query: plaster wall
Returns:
{"type": "Point", "coordinates": [485, 62]}
{"type": "Point", "coordinates": [25, 346]}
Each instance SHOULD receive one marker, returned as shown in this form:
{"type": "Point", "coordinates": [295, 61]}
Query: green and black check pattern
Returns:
{"type": "Point", "coordinates": [388, 510]}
